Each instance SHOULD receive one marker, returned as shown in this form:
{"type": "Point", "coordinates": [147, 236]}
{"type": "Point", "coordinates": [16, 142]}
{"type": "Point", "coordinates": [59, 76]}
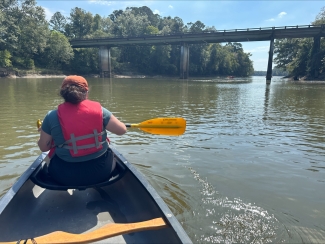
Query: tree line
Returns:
{"type": "Point", "coordinates": [275, 72]}
{"type": "Point", "coordinates": [28, 40]}
{"type": "Point", "coordinates": [299, 57]}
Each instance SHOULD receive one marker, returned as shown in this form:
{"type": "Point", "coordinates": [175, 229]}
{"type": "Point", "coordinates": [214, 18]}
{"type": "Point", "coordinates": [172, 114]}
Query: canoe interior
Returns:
{"type": "Point", "coordinates": [35, 211]}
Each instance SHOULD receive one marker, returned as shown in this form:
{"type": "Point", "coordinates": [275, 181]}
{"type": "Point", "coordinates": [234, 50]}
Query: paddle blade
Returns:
{"type": "Point", "coordinates": [165, 131]}
{"type": "Point", "coordinates": [162, 123]}
{"type": "Point", "coordinates": [38, 123]}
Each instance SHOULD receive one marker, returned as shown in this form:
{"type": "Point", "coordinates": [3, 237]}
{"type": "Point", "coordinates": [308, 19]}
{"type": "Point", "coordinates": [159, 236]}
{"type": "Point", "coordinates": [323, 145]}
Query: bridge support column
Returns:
{"type": "Point", "coordinates": [269, 65]}
{"type": "Point", "coordinates": [316, 58]}
{"type": "Point", "coordinates": [185, 57]}
{"type": "Point", "coordinates": [104, 62]}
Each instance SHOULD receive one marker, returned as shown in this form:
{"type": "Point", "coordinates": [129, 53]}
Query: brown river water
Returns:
{"type": "Point", "coordinates": [250, 167]}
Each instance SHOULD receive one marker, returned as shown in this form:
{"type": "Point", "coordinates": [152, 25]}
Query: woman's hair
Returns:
{"type": "Point", "coordinates": [73, 94]}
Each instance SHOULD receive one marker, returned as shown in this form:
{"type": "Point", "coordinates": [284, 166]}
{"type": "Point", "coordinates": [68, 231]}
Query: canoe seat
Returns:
{"type": "Point", "coordinates": [41, 178]}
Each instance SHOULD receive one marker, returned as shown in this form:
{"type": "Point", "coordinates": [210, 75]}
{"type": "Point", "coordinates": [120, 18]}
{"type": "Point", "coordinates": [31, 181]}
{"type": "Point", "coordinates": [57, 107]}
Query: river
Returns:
{"type": "Point", "coordinates": [250, 167]}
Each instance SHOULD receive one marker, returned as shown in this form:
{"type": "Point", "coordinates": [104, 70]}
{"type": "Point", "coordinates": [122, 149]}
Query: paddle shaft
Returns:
{"type": "Point", "coordinates": [159, 126]}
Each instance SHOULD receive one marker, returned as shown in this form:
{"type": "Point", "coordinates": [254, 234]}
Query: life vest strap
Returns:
{"type": "Point", "coordinates": [74, 140]}
{"type": "Point", "coordinates": [78, 138]}
{"type": "Point", "coordinates": [82, 147]}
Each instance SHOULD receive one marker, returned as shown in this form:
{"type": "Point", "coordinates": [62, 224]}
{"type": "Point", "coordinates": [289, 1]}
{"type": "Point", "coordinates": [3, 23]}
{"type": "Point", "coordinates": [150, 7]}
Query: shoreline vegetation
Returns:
{"type": "Point", "coordinates": [139, 76]}
{"type": "Point", "coordinates": [42, 73]}
{"type": "Point", "coordinates": [32, 46]}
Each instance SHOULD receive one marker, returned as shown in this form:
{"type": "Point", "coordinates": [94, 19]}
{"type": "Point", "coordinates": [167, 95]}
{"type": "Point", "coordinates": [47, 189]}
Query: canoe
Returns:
{"type": "Point", "coordinates": [125, 209]}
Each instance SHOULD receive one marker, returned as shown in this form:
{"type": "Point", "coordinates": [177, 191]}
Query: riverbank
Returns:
{"type": "Point", "coordinates": [93, 76]}
{"type": "Point", "coordinates": [46, 73]}
{"type": "Point", "coordinates": [321, 77]}
{"type": "Point", "coordinates": [125, 75]}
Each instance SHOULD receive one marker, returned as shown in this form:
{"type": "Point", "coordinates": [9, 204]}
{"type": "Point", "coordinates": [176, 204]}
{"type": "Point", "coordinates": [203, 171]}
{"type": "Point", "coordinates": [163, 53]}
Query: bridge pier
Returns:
{"type": "Point", "coordinates": [104, 62]}
{"type": "Point", "coordinates": [184, 64]}
{"type": "Point", "coordinates": [269, 65]}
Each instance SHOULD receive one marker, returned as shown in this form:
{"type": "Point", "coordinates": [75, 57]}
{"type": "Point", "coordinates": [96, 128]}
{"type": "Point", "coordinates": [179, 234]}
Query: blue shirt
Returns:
{"type": "Point", "coordinates": [51, 125]}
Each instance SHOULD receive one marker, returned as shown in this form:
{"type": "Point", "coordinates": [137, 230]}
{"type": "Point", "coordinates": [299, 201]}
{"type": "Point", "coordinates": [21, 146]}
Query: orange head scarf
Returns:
{"type": "Point", "coordinates": [75, 80]}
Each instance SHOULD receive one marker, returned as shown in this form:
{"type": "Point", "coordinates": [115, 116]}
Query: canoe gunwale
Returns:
{"type": "Point", "coordinates": [5, 200]}
{"type": "Point", "coordinates": [168, 215]}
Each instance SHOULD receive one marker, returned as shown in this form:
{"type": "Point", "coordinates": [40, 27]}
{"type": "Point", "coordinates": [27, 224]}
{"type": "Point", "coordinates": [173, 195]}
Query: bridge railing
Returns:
{"type": "Point", "coordinates": [209, 31]}
{"type": "Point", "coordinates": [262, 28]}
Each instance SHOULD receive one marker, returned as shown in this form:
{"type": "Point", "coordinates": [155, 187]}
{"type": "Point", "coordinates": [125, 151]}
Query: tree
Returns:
{"type": "Point", "coordinates": [85, 61]}
{"type": "Point", "coordinates": [32, 35]}
{"type": "Point", "coordinates": [97, 22]}
{"type": "Point", "coordinates": [285, 51]}
{"type": "Point", "coordinates": [58, 51]}
{"type": "Point", "coordinates": [5, 58]}
{"type": "Point", "coordinates": [300, 57]}
{"type": "Point", "coordinates": [9, 29]}
{"type": "Point", "coordinates": [80, 25]}
{"type": "Point", "coordinates": [171, 25]}
{"type": "Point", "coordinates": [127, 24]}
{"type": "Point", "coordinates": [299, 65]}
{"type": "Point", "coordinates": [58, 22]}
{"type": "Point", "coordinates": [198, 26]}
{"type": "Point", "coordinates": [151, 30]}
{"type": "Point", "coordinates": [115, 15]}
{"type": "Point", "coordinates": [320, 18]}
{"type": "Point", "coordinates": [145, 11]}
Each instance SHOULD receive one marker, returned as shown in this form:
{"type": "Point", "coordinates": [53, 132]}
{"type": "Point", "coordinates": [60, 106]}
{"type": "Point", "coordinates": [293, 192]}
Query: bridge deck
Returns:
{"type": "Point", "coordinates": [237, 35]}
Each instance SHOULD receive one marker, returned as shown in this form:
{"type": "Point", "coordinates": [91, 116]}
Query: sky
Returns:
{"type": "Point", "coordinates": [223, 15]}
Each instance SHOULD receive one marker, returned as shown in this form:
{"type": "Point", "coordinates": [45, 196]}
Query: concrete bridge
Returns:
{"type": "Point", "coordinates": [219, 36]}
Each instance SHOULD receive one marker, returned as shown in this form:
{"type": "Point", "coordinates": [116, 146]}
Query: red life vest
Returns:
{"type": "Point", "coordinates": [82, 127]}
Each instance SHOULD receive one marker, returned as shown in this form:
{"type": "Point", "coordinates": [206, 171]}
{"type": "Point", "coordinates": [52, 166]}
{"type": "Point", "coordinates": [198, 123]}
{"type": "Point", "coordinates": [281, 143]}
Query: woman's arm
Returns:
{"type": "Point", "coordinates": [115, 126]}
{"type": "Point", "coordinates": [45, 141]}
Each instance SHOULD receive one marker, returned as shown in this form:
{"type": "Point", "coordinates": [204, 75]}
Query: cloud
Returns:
{"type": "Point", "coordinates": [279, 16]}
{"type": "Point", "coordinates": [100, 2]}
{"type": "Point", "coordinates": [48, 13]}
{"type": "Point", "coordinates": [156, 12]}
{"type": "Point", "coordinates": [260, 49]}
{"type": "Point", "coordinates": [170, 6]}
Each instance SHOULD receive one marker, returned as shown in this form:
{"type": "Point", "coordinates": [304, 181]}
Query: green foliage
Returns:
{"type": "Point", "coordinates": [320, 18]}
{"type": "Point", "coordinates": [302, 57]}
{"type": "Point", "coordinates": [151, 30]}
{"type": "Point", "coordinates": [58, 22]}
{"type": "Point", "coordinates": [128, 24]}
{"type": "Point", "coordinates": [58, 51]}
{"type": "Point", "coordinates": [80, 25]}
{"type": "Point", "coordinates": [198, 26]}
{"type": "Point", "coordinates": [85, 61]}
{"type": "Point", "coordinates": [5, 58]}
{"type": "Point", "coordinates": [29, 41]}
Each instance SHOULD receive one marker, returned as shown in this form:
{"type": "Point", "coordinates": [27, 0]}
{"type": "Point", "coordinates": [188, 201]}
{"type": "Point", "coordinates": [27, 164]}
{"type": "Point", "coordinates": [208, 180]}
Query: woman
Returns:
{"type": "Point", "coordinates": [75, 134]}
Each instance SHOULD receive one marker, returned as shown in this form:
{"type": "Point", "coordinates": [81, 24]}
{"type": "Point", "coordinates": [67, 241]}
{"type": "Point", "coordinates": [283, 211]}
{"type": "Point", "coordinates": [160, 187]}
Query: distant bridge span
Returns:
{"type": "Point", "coordinates": [219, 36]}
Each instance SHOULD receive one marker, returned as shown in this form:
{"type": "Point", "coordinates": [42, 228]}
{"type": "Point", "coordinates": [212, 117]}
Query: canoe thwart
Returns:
{"type": "Point", "coordinates": [107, 231]}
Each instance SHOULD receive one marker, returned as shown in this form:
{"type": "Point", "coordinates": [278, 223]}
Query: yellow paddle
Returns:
{"type": "Point", "coordinates": [107, 231]}
{"type": "Point", "coordinates": [162, 126]}
{"type": "Point", "coordinates": [157, 126]}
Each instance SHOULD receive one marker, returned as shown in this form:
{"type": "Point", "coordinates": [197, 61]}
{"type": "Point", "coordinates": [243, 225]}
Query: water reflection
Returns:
{"type": "Point", "coordinates": [249, 168]}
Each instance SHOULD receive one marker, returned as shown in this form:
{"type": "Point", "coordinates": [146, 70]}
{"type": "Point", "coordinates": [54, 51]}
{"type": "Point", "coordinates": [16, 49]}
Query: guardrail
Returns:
{"type": "Point", "coordinates": [273, 28]}
{"type": "Point", "coordinates": [210, 31]}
